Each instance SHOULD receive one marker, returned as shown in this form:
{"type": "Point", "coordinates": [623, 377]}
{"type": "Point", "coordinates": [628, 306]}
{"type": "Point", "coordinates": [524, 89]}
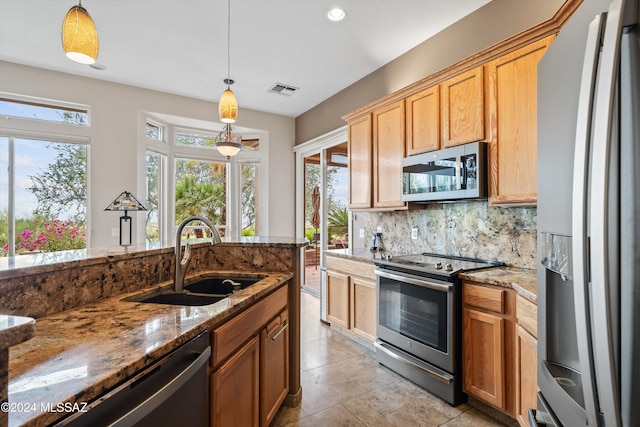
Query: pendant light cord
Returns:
{"type": "Point", "coordinates": [228, 43]}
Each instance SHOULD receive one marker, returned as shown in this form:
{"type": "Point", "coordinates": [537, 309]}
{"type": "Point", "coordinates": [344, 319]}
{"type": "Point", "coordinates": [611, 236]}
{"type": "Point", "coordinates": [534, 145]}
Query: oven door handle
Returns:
{"type": "Point", "coordinates": [442, 287]}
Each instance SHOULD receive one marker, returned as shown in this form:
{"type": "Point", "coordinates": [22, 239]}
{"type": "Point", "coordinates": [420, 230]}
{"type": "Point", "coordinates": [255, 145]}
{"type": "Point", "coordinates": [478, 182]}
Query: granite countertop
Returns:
{"type": "Point", "coordinates": [361, 254]}
{"type": "Point", "coordinates": [48, 261]}
{"type": "Point", "coordinates": [522, 280]}
{"type": "Point", "coordinates": [15, 329]}
{"type": "Point", "coordinates": [79, 354]}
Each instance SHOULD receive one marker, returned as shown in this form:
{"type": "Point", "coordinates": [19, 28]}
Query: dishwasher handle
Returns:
{"type": "Point", "coordinates": [158, 398]}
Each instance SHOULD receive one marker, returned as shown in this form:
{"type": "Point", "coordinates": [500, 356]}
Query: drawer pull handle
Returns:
{"type": "Point", "coordinates": [279, 332]}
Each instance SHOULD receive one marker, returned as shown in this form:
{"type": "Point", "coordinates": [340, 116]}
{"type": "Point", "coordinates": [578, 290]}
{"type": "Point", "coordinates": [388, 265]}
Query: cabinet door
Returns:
{"type": "Point", "coordinates": [235, 388]}
{"type": "Point", "coordinates": [388, 151]}
{"type": "Point", "coordinates": [274, 367]}
{"type": "Point", "coordinates": [483, 357]}
{"type": "Point", "coordinates": [423, 121]}
{"type": "Point", "coordinates": [363, 309]}
{"type": "Point", "coordinates": [463, 109]}
{"type": "Point", "coordinates": [360, 163]}
{"type": "Point", "coordinates": [338, 299]}
{"type": "Point", "coordinates": [526, 375]}
{"type": "Point", "coordinates": [513, 106]}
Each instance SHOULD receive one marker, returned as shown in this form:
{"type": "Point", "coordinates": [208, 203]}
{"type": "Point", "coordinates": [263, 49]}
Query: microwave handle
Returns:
{"type": "Point", "coordinates": [463, 173]}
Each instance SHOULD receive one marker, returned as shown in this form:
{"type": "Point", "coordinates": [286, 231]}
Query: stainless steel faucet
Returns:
{"type": "Point", "coordinates": [182, 262]}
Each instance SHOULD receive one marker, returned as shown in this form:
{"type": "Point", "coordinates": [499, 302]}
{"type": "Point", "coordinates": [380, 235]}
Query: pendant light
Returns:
{"type": "Point", "coordinates": [228, 106]}
{"type": "Point", "coordinates": [79, 36]}
{"type": "Point", "coordinates": [228, 143]}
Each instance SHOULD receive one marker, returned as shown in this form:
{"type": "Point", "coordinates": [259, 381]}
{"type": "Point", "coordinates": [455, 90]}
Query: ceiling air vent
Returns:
{"type": "Point", "coordinates": [283, 89]}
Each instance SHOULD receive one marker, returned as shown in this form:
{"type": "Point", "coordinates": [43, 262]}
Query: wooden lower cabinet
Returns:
{"type": "Point", "coordinates": [484, 362]}
{"type": "Point", "coordinates": [235, 388]}
{"type": "Point", "coordinates": [499, 350]}
{"type": "Point", "coordinates": [250, 364]}
{"type": "Point", "coordinates": [351, 296]}
{"type": "Point", "coordinates": [526, 359]}
{"type": "Point", "coordinates": [488, 344]}
{"type": "Point", "coordinates": [274, 367]}
{"type": "Point", "coordinates": [338, 297]}
{"type": "Point", "coordinates": [526, 374]}
{"type": "Point", "coordinates": [363, 313]}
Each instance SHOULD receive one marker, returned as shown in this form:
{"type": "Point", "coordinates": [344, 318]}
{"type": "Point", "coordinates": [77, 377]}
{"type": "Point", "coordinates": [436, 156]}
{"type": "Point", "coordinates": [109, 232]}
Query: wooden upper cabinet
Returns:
{"type": "Point", "coordinates": [513, 108]}
{"type": "Point", "coordinates": [463, 108]}
{"type": "Point", "coordinates": [423, 121]}
{"type": "Point", "coordinates": [360, 162]}
{"type": "Point", "coordinates": [388, 152]}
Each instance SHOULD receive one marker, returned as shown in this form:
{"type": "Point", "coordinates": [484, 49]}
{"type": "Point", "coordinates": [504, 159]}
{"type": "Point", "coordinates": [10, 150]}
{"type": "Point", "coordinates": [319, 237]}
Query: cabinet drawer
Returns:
{"type": "Point", "coordinates": [236, 331]}
{"type": "Point", "coordinates": [485, 297]}
{"type": "Point", "coordinates": [275, 327]}
{"type": "Point", "coordinates": [527, 315]}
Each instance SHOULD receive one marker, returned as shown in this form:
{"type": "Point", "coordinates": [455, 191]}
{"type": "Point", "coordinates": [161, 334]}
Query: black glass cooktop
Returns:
{"type": "Point", "coordinates": [444, 265]}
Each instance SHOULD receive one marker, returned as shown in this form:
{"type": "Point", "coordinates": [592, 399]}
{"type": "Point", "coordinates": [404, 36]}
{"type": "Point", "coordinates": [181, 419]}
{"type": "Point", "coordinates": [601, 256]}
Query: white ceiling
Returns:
{"type": "Point", "coordinates": [180, 46]}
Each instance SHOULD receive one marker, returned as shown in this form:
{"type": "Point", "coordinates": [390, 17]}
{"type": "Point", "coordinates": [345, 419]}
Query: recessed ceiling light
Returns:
{"type": "Point", "coordinates": [336, 14]}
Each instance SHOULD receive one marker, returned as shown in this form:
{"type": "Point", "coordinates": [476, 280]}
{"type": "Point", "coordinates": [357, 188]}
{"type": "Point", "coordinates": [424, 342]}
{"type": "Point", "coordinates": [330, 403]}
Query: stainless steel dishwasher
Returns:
{"type": "Point", "coordinates": [171, 392]}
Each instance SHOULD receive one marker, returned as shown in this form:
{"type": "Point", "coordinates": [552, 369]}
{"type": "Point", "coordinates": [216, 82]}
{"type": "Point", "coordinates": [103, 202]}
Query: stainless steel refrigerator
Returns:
{"type": "Point", "coordinates": [589, 220]}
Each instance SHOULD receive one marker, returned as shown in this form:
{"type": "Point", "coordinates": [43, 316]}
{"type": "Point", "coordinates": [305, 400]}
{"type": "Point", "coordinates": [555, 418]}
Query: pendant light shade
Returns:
{"type": "Point", "coordinates": [79, 36]}
{"type": "Point", "coordinates": [228, 143]}
{"type": "Point", "coordinates": [228, 107]}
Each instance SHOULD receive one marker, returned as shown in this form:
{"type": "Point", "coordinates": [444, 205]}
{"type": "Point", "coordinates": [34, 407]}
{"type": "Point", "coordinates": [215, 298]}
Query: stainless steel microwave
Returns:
{"type": "Point", "coordinates": [451, 174]}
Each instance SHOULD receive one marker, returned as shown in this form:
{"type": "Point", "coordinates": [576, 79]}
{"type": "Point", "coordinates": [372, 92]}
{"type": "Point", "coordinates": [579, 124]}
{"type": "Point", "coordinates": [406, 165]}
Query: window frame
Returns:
{"type": "Point", "coordinates": [46, 103]}
{"type": "Point", "coordinates": [174, 151]}
{"type": "Point", "coordinates": [15, 127]}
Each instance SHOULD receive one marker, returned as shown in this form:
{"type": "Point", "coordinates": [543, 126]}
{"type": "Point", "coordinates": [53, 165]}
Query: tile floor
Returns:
{"type": "Point", "coordinates": [343, 385]}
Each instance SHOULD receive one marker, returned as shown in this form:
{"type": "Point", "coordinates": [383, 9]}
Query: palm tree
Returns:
{"type": "Point", "coordinates": [338, 221]}
{"type": "Point", "coordinates": [193, 198]}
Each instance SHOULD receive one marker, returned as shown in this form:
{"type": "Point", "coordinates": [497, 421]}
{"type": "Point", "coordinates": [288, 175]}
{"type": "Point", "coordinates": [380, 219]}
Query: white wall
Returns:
{"type": "Point", "coordinates": [113, 163]}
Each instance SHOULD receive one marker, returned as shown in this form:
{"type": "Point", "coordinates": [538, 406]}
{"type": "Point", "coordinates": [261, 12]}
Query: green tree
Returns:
{"type": "Point", "coordinates": [338, 221]}
{"type": "Point", "coordinates": [249, 196]}
{"type": "Point", "coordinates": [61, 189]}
{"type": "Point", "coordinates": [153, 165]}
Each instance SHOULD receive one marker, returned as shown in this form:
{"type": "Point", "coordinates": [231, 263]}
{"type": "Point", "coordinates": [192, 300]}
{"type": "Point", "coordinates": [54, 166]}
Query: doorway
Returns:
{"type": "Point", "coordinates": [322, 163]}
{"type": "Point", "coordinates": [326, 192]}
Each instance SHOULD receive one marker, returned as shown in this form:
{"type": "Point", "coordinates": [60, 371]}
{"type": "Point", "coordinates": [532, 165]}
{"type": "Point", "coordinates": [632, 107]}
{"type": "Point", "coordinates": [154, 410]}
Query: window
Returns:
{"type": "Point", "coordinates": [28, 108]}
{"type": "Point", "coordinates": [43, 178]}
{"type": "Point", "coordinates": [154, 131]}
{"type": "Point", "coordinates": [250, 176]}
{"type": "Point", "coordinates": [201, 189]}
{"type": "Point", "coordinates": [187, 176]}
{"type": "Point", "coordinates": [195, 139]}
{"type": "Point", "coordinates": [43, 197]}
{"type": "Point", "coordinates": [155, 170]}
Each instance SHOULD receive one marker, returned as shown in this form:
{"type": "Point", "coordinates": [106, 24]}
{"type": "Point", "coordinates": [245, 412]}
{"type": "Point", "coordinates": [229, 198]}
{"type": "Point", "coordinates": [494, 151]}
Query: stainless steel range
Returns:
{"type": "Point", "coordinates": [420, 319]}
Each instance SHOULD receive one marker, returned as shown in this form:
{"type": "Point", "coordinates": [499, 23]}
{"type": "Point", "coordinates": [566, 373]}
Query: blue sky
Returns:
{"type": "Point", "coordinates": [31, 157]}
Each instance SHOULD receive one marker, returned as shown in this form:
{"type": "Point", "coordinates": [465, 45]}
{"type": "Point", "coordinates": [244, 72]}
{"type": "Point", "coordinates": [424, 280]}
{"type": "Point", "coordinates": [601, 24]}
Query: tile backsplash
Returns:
{"type": "Point", "coordinates": [469, 229]}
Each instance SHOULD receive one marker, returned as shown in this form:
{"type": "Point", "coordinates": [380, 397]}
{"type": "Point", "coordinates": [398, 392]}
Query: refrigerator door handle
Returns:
{"type": "Point", "coordinates": [580, 241]}
{"type": "Point", "coordinates": [602, 260]}
{"type": "Point", "coordinates": [630, 226]}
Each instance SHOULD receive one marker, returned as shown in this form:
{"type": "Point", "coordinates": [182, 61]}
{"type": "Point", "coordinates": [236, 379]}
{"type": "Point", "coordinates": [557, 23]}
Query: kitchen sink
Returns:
{"type": "Point", "coordinates": [182, 298]}
{"type": "Point", "coordinates": [219, 285]}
